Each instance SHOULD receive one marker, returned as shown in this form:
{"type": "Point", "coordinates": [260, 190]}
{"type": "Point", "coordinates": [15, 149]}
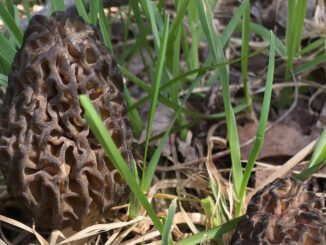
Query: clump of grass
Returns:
{"type": "Point", "coordinates": [167, 77]}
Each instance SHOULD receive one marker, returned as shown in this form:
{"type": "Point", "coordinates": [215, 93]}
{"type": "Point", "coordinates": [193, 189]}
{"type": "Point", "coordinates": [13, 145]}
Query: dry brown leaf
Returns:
{"type": "Point", "coordinates": [281, 140]}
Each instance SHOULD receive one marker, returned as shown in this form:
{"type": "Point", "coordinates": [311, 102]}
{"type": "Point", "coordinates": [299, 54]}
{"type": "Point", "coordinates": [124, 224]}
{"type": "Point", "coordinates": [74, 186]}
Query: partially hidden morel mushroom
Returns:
{"type": "Point", "coordinates": [53, 164]}
{"type": "Point", "coordinates": [283, 212]}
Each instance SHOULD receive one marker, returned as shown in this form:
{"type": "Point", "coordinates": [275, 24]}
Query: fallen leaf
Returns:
{"type": "Point", "coordinates": [280, 141]}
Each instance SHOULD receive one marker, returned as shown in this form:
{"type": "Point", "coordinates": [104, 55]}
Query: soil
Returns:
{"type": "Point", "coordinates": [297, 116]}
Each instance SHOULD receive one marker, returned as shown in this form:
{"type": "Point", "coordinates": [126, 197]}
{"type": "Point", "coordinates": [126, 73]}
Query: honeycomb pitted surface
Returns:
{"type": "Point", "coordinates": [283, 212]}
{"type": "Point", "coordinates": [53, 163]}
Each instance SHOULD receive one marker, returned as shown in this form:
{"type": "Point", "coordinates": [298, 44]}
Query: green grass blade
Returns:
{"type": "Point", "coordinates": [149, 174]}
{"type": "Point", "coordinates": [265, 34]}
{"type": "Point", "coordinates": [208, 205]}
{"type": "Point", "coordinates": [191, 49]}
{"type": "Point", "coordinates": [160, 17]}
{"type": "Point", "coordinates": [317, 160]}
{"type": "Point", "coordinates": [305, 174]}
{"type": "Point", "coordinates": [4, 66]}
{"type": "Point", "coordinates": [295, 21]}
{"type": "Point", "coordinates": [311, 64]}
{"type": "Point", "coordinates": [156, 86]}
{"type": "Point", "coordinates": [148, 8]}
{"type": "Point", "coordinates": [178, 20]}
{"type": "Point", "coordinates": [244, 53]}
{"type": "Point", "coordinates": [317, 44]}
{"type": "Point", "coordinates": [208, 235]}
{"type": "Point", "coordinates": [134, 204]}
{"type": "Point", "coordinates": [289, 24]}
{"type": "Point", "coordinates": [319, 154]}
{"type": "Point", "coordinates": [262, 123]}
{"type": "Point", "coordinates": [140, 83]}
{"type": "Point", "coordinates": [142, 41]}
{"type": "Point", "coordinates": [7, 51]}
{"type": "Point", "coordinates": [10, 23]}
{"type": "Point", "coordinates": [3, 80]}
{"type": "Point", "coordinates": [93, 11]}
{"type": "Point", "coordinates": [206, 19]}
{"type": "Point", "coordinates": [104, 28]}
{"type": "Point", "coordinates": [173, 53]}
{"type": "Point", "coordinates": [135, 119]}
{"type": "Point", "coordinates": [166, 236]}
{"type": "Point", "coordinates": [173, 64]}
{"type": "Point", "coordinates": [10, 7]}
{"type": "Point", "coordinates": [57, 5]}
{"type": "Point", "coordinates": [231, 26]}
{"type": "Point", "coordinates": [134, 5]}
{"type": "Point", "coordinates": [173, 47]}
{"type": "Point", "coordinates": [81, 10]}
{"type": "Point", "coordinates": [3, 70]}
{"type": "Point", "coordinates": [102, 135]}
{"type": "Point", "coordinates": [215, 46]}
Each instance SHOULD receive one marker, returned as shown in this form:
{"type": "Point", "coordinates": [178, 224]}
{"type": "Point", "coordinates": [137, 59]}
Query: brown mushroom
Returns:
{"type": "Point", "coordinates": [53, 164]}
{"type": "Point", "coordinates": [283, 212]}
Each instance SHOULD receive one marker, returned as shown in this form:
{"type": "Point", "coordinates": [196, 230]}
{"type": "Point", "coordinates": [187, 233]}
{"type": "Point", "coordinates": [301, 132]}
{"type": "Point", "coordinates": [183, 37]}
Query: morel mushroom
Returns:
{"type": "Point", "coordinates": [53, 164]}
{"type": "Point", "coordinates": [283, 212]}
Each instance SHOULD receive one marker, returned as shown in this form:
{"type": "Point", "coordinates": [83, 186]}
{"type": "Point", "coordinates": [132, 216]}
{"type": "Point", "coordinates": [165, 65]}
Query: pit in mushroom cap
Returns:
{"type": "Point", "coordinates": [53, 164]}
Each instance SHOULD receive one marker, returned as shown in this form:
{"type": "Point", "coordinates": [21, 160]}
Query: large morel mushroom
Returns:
{"type": "Point", "coordinates": [283, 212]}
{"type": "Point", "coordinates": [53, 164]}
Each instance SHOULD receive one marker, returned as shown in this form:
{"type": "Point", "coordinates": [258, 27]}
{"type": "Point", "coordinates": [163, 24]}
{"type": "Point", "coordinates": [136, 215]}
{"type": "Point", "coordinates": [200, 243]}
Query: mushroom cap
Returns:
{"type": "Point", "coordinates": [283, 212]}
{"type": "Point", "coordinates": [53, 164]}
